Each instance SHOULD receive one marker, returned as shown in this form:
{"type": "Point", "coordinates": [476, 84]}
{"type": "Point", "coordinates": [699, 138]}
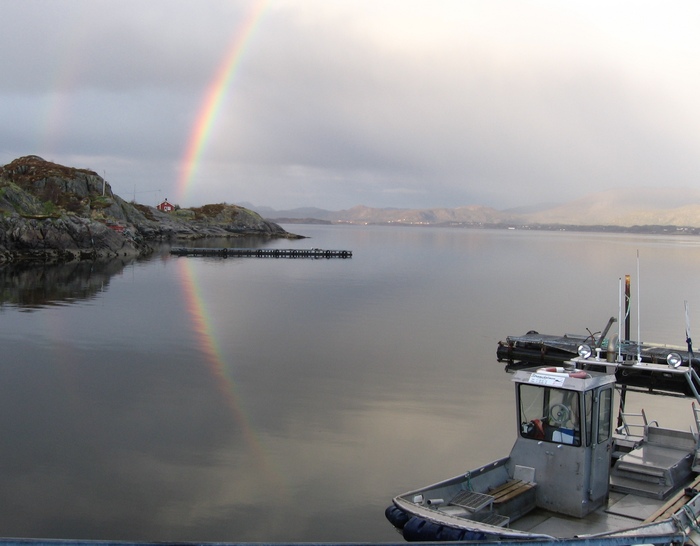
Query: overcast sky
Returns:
{"type": "Point", "coordinates": [336, 103]}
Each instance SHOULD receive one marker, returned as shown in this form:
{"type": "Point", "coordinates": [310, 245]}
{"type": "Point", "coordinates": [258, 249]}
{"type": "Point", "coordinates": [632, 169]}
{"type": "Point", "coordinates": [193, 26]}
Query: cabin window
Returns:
{"type": "Point", "coordinates": [604, 415]}
{"type": "Point", "coordinates": [550, 414]}
{"type": "Point", "coordinates": [588, 409]}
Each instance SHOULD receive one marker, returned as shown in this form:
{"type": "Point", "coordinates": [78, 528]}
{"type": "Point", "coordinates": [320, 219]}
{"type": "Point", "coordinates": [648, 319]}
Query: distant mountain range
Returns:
{"type": "Point", "coordinates": [639, 209]}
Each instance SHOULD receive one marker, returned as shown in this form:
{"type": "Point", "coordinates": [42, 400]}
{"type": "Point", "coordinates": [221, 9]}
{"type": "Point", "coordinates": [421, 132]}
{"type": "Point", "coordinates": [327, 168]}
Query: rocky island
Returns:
{"type": "Point", "coordinates": [53, 213]}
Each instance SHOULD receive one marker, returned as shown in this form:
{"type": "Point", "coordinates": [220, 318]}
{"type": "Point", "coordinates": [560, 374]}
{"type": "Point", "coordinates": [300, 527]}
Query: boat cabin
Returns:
{"type": "Point", "coordinates": [565, 436]}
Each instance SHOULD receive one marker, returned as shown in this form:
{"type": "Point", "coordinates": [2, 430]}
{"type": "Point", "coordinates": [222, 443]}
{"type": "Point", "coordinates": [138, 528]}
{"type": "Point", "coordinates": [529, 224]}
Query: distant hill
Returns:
{"type": "Point", "coordinates": [305, 212]}
{"type": "Point", "coordinates": [641, 206]}
{"type": "Point", "coordinates": [615, 208]}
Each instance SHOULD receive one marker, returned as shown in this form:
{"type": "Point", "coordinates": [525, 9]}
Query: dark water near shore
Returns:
{"type": "Point", "coordinates": [213, 399]}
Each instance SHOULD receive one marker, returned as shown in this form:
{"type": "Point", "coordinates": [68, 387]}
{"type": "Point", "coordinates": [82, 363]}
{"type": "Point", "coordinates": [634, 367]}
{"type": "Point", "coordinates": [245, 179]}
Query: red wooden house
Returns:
{"type": "Point", "coordinates": [166, 206]}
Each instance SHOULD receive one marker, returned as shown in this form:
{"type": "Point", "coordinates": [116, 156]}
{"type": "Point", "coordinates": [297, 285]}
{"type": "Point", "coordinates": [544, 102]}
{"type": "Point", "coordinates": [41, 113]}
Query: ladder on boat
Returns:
{"type": "Point", "coordinates": [655, 463]}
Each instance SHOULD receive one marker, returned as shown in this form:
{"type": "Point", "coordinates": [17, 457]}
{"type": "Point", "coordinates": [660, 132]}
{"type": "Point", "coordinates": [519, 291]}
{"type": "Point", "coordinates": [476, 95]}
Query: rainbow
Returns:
{"type": "Point", "coordinates": [195, 303]}
{"type": "Point", "coordinates": [204, 334]}
{"type": "Point", "coordinates": [213, 98]}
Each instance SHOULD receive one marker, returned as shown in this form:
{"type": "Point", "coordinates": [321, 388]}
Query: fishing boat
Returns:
{"type": "Point", "coordinates": [581, 469]}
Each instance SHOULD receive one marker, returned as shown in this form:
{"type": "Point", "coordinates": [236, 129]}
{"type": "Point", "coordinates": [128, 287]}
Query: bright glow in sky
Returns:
{"type": "Point", "coordinates": [336, 103]}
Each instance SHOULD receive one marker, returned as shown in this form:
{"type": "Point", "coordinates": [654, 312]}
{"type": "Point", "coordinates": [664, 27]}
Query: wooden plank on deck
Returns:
{"type": "Point", "coordinates": [673, 504]}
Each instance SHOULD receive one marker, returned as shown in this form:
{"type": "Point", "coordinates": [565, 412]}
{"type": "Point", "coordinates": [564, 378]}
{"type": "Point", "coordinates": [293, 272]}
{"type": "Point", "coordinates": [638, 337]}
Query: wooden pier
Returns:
{"type": "Point", "coordinates": [316, 253]}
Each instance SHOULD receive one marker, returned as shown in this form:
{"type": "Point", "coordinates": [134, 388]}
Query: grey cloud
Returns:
{"type": "Point", "coordinates": [502, 108]}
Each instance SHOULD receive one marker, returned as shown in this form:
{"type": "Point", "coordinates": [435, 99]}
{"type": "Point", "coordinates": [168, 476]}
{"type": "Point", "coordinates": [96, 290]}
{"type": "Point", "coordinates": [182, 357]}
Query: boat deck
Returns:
{"type": "Point", "coordinates": [622, 511]}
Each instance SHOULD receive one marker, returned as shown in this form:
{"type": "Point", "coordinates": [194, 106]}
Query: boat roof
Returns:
{"type": "Point", "coordinates": [564, 378]}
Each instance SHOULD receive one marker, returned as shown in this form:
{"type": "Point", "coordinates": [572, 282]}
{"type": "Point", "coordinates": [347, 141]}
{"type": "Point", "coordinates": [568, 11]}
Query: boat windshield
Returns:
{"type": "Point", "coordinates": [551, 414]}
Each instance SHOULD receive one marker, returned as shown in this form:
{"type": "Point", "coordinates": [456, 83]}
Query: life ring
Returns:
{"type": "Point", "coordinates": [563, 372]}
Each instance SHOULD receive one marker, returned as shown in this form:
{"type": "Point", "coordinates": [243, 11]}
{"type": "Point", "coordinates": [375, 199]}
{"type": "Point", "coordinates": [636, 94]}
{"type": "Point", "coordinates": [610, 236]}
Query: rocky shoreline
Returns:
{"type": "Point", "coordinates": [53, 213]}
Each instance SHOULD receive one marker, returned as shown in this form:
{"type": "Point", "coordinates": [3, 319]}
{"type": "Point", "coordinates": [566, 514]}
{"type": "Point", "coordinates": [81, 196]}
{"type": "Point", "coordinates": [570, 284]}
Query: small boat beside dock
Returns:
{"type": "Point", "coordinates": [576, 471]}
{"type": "Point", "coordinates": [316, 253]}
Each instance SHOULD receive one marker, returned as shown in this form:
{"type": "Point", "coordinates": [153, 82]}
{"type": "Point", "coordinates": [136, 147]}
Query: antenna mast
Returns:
{"type": "Point", "coordinates": [639, 328]}
{"type": "Point", "coordinates": [687, 331]}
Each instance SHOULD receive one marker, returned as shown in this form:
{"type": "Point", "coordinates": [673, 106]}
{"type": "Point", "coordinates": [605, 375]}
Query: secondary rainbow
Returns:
{"type": "Point", "coordinates": [213, 98]}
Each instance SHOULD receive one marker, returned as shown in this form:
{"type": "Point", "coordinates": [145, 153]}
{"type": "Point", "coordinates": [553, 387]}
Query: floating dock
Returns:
{"type": "Point", "coordinates": [263, 252]}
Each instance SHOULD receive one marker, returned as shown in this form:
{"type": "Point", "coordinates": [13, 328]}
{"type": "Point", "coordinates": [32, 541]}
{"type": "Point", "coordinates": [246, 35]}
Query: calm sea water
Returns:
{"type": "Point", "coordinates": [180, 399]}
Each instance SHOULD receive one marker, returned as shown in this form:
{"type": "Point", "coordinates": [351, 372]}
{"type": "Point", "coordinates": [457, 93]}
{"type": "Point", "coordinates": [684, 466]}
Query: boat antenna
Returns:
{"type": "Point", "coordinates": [619, 322]}
{"type": "Point", "coordinates": [639, 329]}
{"type": "Point", "coordinates": [687, 331]}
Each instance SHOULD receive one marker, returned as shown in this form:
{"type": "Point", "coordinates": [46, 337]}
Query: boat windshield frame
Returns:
{"type": "Point", "coordinates": [559, 408]}
{"type": "Point", "coordinates": [553, 415]}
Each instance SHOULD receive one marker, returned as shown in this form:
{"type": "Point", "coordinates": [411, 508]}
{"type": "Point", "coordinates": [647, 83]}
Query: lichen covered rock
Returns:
{"type": "Point", "coordinates": [51, 212]}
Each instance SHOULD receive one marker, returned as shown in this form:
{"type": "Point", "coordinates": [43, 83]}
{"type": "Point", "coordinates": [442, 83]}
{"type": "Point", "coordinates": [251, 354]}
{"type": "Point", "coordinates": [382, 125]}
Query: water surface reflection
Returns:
{"type": "Point", "coordinates": [286, 400]}
{"type": "Point", "coordinates": [34, 286]}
